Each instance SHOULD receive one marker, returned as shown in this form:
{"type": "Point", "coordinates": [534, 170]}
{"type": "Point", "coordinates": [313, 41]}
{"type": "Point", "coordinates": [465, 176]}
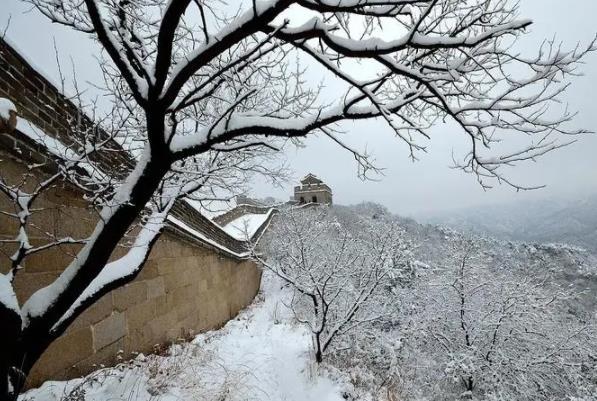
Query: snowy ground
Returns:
{"type": "Point", "coordinates": [261, 355]}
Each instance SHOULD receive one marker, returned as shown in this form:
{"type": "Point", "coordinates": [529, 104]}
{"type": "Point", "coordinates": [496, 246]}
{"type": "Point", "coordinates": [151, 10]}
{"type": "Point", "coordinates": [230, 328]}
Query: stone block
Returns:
{"type": "Point", "coordinates": [184, 311]}
{"type": "Point", "coordinates": [202, 286]}
{"type": "Point", "coordinates": [173, 282]}
{"type": "Point", "coordinates": [94, 314]}
{"type": "Point", "coordinates": [138, 315]}
{"type": "Point", "coordinates": [139, 341]}
{"type": "Point", "coordinates": [149, 270]}
{"type": "Point", "coordinates": [167, 266]}
{"type": "Point", "coordinates": [160, 326]}
{"type": "Point", "coordinates": [107, 356]}
{"type": "Point", "coordinates": [129, 295]}
{"type": "Point", "coordinates": [65, 352]}
{"type": "Point", "coordinates": [155, 287]}
{"type": "Point", "coordinates": [27, 283]}
{"type": "Point", "coordinates": [161, 305]}
{"type": "Point", "coordinates": [53, 260]}
{"type": "Point", "coordinates": [108, 330]}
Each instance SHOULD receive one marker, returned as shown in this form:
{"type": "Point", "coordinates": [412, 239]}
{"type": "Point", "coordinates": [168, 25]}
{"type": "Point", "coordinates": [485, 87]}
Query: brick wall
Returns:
{"type": "Point", "coordinates": [187, 285]}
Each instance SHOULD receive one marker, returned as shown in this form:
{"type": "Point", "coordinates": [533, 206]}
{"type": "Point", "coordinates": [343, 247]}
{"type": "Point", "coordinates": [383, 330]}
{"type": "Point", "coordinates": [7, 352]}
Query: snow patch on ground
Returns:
{"type": "Point", "coordinates": [261, 355]}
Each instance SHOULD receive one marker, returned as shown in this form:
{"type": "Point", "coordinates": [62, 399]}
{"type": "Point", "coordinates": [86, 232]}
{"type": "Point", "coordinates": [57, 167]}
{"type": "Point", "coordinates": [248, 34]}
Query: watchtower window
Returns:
{"type": "Point", "coordinates": [302, 199]}
{"type": "Point", "coordinates": [314, 199]}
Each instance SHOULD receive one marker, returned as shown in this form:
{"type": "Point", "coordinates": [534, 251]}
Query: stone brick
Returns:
{"type": "Point", "coordinates": [107, 356]}
{"type": "Point", "coordinates": [155, 287]}
{"type": "Point", "coordinates": [173, 282]}
{"type": "Point", "coordinates": [65, 352]}
{"type": "Point", "coordinates": [166, 265]}
{"type": "Point", "coordinates": [129, 295]}
{"type": "Point", "coordinates": [160, 325]}
{"type": "Point", "coordinates": [27, 283]}
{"type": "Point", "coordinates": [202, 286]}
{"type": "Point", "coordinates": [139, 340]}
{"type": "Point", "coordinates": [108, 330]}
{"type": "Point", "coordinates": [161, 305]}
{"type": "Point", "coordinates": [184, 311]}
{"type": "Point", "coordinates": [52, 260]}
{"type": "Point", "coordinates": [149, 270]}
{"type": "Point", "coordinates": [138, 315]}
{"type": "Point", "coordinates": [96, 313]}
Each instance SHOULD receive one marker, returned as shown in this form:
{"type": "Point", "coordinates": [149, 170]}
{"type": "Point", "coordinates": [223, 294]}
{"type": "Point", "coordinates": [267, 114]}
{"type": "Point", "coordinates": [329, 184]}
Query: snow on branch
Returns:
{"type": "Point", "coordinates": [432, 61]}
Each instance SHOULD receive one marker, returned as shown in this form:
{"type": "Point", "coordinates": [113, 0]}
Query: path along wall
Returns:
{"type": "Point", "coordinates": [187, 286]}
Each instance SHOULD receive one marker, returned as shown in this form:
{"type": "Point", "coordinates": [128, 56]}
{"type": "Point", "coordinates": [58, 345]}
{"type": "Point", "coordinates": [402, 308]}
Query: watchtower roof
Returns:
{"type": "Point", "coordinates": [311, 179]}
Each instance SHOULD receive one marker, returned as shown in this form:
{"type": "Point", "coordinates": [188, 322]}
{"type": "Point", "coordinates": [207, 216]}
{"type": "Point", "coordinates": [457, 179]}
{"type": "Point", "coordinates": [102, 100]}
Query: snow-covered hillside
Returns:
{"type": "Point", "coordinates": [260, 355]}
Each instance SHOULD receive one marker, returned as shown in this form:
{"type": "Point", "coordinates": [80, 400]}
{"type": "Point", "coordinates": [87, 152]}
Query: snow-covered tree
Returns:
{"type": "Point", "coordinates": [476, 331]}
{"type": "Point", "coordinates": [198, 77]}
{"type": "Point", "coordinates": [342, 275]}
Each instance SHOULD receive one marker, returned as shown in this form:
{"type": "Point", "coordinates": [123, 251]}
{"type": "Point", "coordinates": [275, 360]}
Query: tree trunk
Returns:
{"type": "Point", "coordinates": [318, 351]}
{"type": "Point", "coordinates": [11, 380]}
{"type": "Point", "coordinates": [5, 385]}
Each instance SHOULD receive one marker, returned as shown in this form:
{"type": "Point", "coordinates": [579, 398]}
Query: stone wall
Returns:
{"type": "Point", "coordinates": [184, 288]}
{"type": "Point", "coordinates": [188, 284]}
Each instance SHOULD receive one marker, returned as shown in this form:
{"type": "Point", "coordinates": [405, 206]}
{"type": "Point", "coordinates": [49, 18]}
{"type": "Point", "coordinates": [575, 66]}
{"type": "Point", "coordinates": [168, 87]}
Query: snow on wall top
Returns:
{"type": "Point", "coordinates": [6, 106]}
{"type": "Point", "coordinates": [212, 208]}
{"type": "Point", "coordinates": [247, 225]}
{"type": "Point", "coordinates": [52, 79]}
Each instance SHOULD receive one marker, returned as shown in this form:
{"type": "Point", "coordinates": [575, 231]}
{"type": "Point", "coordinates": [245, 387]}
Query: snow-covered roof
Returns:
{"type": "Point", "coordinates": [208, 209]}
{"type": "Point", "coordinates": [57, 147]}
{"type": "Point", "coordinates": [311, 179]}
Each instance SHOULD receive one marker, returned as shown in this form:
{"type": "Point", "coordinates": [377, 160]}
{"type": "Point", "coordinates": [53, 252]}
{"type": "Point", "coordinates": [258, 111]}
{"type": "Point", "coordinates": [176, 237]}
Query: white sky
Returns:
{"type": "Point", "coordinates": [429, 185]}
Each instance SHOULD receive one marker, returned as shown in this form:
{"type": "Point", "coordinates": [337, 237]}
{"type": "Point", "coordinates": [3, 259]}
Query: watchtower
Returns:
{"type": "Point", "coordinates": [312, 190]}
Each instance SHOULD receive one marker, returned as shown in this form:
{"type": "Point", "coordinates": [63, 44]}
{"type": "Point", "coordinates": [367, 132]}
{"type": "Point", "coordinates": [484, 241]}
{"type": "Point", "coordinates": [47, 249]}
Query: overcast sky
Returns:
{"type": "Point", "coordinates": [428, 185]}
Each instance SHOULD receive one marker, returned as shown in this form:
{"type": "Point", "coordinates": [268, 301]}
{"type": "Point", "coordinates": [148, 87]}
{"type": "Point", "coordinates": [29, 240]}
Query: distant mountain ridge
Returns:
{"type": "Point", "coordinates": [545, 221]}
